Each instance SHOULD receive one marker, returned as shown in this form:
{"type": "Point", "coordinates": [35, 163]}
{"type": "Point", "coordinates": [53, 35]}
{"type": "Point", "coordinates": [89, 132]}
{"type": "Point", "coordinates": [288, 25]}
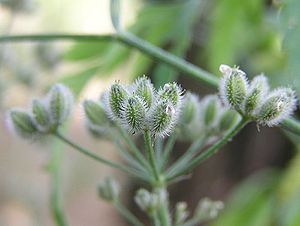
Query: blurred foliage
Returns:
{"type": "Point", "coordinates": [233, 24]}
{"type": "Point", "coordinates": [251, 203]}
{"type": "Point", "coordinates": [163, 23]}
{"type": "Point", "coordinates": [265, 199]}
{"type": "Point", "coordinates": [290, 28]}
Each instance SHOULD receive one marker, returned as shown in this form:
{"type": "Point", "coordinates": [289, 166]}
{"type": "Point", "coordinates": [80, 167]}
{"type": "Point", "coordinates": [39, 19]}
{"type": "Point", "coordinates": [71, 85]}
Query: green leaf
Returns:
{"type": "Point", "coordinates": [232, 28]}
{"type": "Point", "coordinates": [251, 203]}
{"type": "Point", "coordinates": [78, 81]}
{"type": "Point", "coordinates": [288, 213]}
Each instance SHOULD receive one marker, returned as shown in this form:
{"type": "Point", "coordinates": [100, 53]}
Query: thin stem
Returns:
{"type": "Point", "coordinates": [155, 219]}
{"type": "Point", "coordinates": [186, 157]}
{"type": "Point", "coordinates": [163, 212]}
{"type": "Point", "coordinates": [158, 147]}
{"type": "Point", "coordinates": [291, 125]}
{"type": "Point", "coordinates": [127, 157]}
{"type": "Point", "coordinates": [57, 37]}
{"type": "Point", "coordinates": [168, 149]}
{"type": "Point", "coordinates": [127, 214]}
{"type": "Point", "coordinates": [96, 157]}
{"type": "Point", "coordinates": [135, 151]}
{"type": "Point", "coordinates": [168, 58]}
{"type": "Point", "coordinates": [150, 152]}
{"type": "Point", "coordinates": [55, 199]}
{"type": "Point", "coordinates": [212, 150]}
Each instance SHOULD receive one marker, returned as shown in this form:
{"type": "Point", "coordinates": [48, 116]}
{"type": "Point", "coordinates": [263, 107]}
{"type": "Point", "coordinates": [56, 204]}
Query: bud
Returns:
{"type": "Point", "coordinates": [233, 87]}
{"type": "Point", "coordinates": [95, 113]}
{"type": "Point", "coordinates": [211, 107]}
{"type": "Point", "coordinates": [109, 190]}
{"type": "Point", "coordinates": [147, 201]}
{"type": "Point", "coordinates": [116, 97]}
{"type": "Point", "coordinates": [134, 113]}
{"type": "Point", "coordinates": [208, 209]}
{"type": "Point", "coordinates": [171, 92]}
{"type": "Point", "coordinates": [145, 90]}
{"type": "Point", "coordinates": [258, 89]}
{"type": "Point", "coordinates": [181, 213]}
{"type": "Point", "coordinates": [228, 119]}
{"type": "Point", "coordinates": [162, 118]}
{"type": "Point", "coordinates": [190, 108]}
{"type": "Point", "coordinates": [40, 116]}
{"type": "Point", "coordinates": [97, 121]}
{"type": "Point", "coordinates": [278, 106]}
{"type": "Point", "coordinates": [22, 123]}
{"type": "Point", "coordinates": [60, 103]}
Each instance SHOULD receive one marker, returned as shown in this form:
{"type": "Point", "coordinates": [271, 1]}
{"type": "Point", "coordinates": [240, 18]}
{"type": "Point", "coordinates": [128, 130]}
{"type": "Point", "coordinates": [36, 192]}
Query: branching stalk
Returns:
{"type": "Point", "coordinates": [135, 151]}
{"type": "Point", "coordinates": [127, 214]}
{"type": "Point", "coordinates": [186, 157]}
{"type": "Point", "coordinates": [168, 149]}
{"type": "Point", "coordinates": [212, 150]}
{"type": "Point", "coordinates": [98, 158]}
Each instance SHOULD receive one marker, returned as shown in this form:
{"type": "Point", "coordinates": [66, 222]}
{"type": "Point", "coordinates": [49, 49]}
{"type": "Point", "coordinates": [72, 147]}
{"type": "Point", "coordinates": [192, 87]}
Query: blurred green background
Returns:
{"type": "Point", "coordinates": [257, 175]}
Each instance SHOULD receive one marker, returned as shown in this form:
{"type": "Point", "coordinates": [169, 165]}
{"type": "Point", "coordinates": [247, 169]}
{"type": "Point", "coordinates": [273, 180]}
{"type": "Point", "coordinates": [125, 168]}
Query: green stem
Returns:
{"type": "Point", "coordinates": [186, 157]}
{"type": "Point", "coordinates": [168, 149]}
{"type": "Point", "coordinates": [55, 200]}
{"type": "Point", "coordinates": [158, 147]}
{"type": "Point", "coordinates": [57, 37]}
{"type": "Point", "coordinates": [163, 211]}
{"type": "Point", "coordinates": [150, 152]}
{"type": "Point", "coordinates": [127, 214]}
{"type": "Point", "coordinates": [155, 219]}
{"type": "Point", "coordinates": [212, 150]}
{"type": "Point", "coordinates": [135, 151]}
{"type": "Point", "coordinates": [168, 58]}
{"type": "Point", "coordinates": [129, 159]}
{"type": "Point", "coordinates": [291, 125]}
{"type": "Point", "coordinates": [96, 157]}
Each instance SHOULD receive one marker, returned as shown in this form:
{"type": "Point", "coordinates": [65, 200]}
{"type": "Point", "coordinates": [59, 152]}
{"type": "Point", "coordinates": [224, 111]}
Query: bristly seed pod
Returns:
{"type": "Point", "coordinates": [95, 113]}
{"type": "Point", "coordinates": [211, 108]}
{"type": "Point", "coordinates": [97, 121]}
{"type": "Point", "coordinates": [162, 118]}
{"type": "Point", "coordinates": [279, 105]}
{"type": "Point", "coordinates": [147, 201]}
{"type": "Point", "coordinates": [145, 90]}
{"type": "Point", "coordinates": [181, 213]}
{"type": "Point", "coordinates": [134, 114]}
{"type": "Point", "coordinates": [233, 87]}
{"type": "Point", "coordinates": [60, 103]}
{"type": "Point", "coordinates": [116, 97]}
{"type": "Point", "coordinates": [171, 92]}
{"type": "Point", "coordinates": [40, 116]}
{"type": "Point", "coordinates": [258, 89]}
{"type": "Point", "coordinates": [22, 123]}
{"type": "Point", "coordinates": [190, 108]}
{"type": "Point", "coordinates": [208, 209]}
{"type": "Point", "coordinates": [228, 119]}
